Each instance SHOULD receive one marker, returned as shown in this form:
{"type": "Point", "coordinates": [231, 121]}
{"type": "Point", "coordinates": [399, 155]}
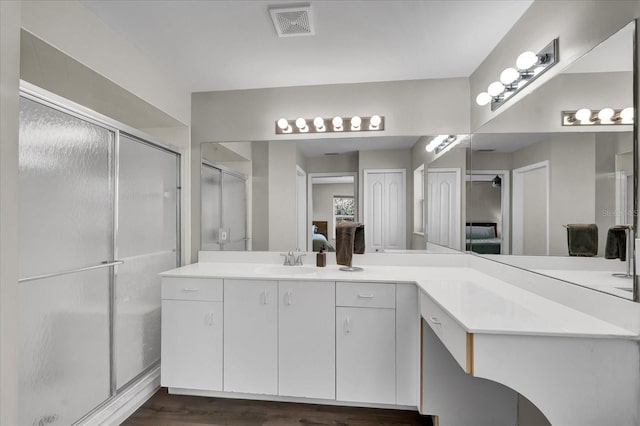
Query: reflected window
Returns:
{"type": "Point", "coordinates": [344, 208]}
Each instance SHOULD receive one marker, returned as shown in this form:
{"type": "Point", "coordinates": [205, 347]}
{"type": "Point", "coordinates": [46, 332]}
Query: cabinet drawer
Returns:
{"type": "Point", "coordinates": [369, 295]}
{"type": "Point", "coordinates": [455, 338]}
{"type": "Point", "coordinates": [192, 289]}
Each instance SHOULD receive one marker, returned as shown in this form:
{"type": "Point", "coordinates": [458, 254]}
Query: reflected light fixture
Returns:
{"type": "Point", "coordinates": [443, 143]}
{"type": "Point", "coordinates": [602, 117]}
{"type": "Point", "coordinates": [328, 125]}
{"type": "Point", "coordinates": [529, 65]}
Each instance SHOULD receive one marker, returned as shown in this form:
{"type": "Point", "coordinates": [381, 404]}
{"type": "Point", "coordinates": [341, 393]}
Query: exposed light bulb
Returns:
{"type": "Point", "coordinates": [375, 121]}
{"type": "Point", "coordinates": [495, 88]}
{"type": "Point", "coordinates": [605, 114]}
{"type": "Point", "coordinates": [318, 122]}
{"type": "Point", "coordinates": [626, 115]}
{"type": "Point", "coordinates": [435, 142]}
{"type": "Point", "coordinates": [483, 98]}
{"type": "Point", "coordinates": [509, 76]}
{"type": "Point", "coordinates": [283, 124]}
{"type": "Point", "coordinates": [526, 60]}
{"type": "Point", "coordinates": [337, 123]}
{"type": "Point", "coordinates": [584, 115]}
{"type": "Point", "coordinates": [356, 122]}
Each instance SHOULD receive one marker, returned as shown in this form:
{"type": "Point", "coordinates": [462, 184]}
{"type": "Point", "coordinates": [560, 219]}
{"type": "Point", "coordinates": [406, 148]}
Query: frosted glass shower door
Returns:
{"type": "Point", "coordinates": [65, 233]}
{"type": "Point", "coordinates": [224, 210]}
{"type": "Point", "coordinates": [234, 211]}
{"type": "Point", "coordinates": [211, 215]}
{"type": "Point", "coordinates": [147, 241]}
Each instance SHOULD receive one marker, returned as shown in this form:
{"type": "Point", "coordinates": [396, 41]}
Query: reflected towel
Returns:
{"type": "Point", "coordinates": [616, 247]}
{"type": "Point", "coordinates": [349, 240]}
{"type": "Point", "coordinates": [582, 239]}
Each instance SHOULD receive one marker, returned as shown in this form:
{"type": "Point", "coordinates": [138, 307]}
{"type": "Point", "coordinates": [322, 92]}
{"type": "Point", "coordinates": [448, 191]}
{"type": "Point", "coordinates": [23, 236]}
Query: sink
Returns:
{"type": "Point", "coordinates": [286, 270]}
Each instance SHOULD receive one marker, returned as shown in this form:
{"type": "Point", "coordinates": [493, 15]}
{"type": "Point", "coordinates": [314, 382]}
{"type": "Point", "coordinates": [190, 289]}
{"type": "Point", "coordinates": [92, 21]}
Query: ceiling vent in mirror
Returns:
{"type": "Point", "coordinates": [292, 21]}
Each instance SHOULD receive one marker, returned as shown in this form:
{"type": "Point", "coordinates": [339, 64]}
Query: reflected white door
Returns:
{"type": "Point", "coordinates": [531, 209]}
{"type": "Point", "coordinates": [443, 207]}
{"type": "Point", "coordinates": [385, 207]}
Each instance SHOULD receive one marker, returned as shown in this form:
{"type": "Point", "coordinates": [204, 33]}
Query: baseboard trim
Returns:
{"type": "Point", "coordinates": [277, 398]}
{"type": "Point", "coordinates": [123, 405]}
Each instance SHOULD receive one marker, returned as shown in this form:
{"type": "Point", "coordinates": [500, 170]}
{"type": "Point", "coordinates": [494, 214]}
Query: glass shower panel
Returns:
{"type": "Point", "coordinates": [147, 242]}
{"type": "Point", "coordinates": [65, 204]}
{"type": "Point", "coordinates": [64, 347]}
{"type": "Point", "coordinates": [234, 211]}
{"type": "Point", "coordinates": [211, 182]}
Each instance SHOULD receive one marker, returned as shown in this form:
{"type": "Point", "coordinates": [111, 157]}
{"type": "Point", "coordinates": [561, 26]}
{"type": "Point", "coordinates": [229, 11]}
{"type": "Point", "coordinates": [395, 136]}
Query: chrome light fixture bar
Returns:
{"type": "Point", "coordinates": [529, 66]}
{"type": "Point", "coordinates": [443, 143]}
{"type": "Point", "coordinates": [335, 124]}
{"type": "Point", "coordinates": [603, 117]}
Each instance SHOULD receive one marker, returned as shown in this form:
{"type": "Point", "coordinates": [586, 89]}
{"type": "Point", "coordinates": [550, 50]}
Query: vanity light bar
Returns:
{"type": "Point", "coordinates": [356, 123]}
{"type": "Point", "coordinates": [603, 117]}
{"type": "Point", "coordinates": [529, 66]}
{"type": "Point", "coordinates": [443, 143]}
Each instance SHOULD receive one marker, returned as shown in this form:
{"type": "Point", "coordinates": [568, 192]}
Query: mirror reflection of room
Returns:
{"type": "Point", "coordinates": [252, 193]}
{"type": "Point", "coordinates": [553, 175]}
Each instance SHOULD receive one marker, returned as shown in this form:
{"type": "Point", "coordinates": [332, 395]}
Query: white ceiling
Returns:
{"type": "Point", "coordinates": [320, 147]}
{"type": "Point", "coordinates": [613, 54]}
{"type": "Point", "coordinates": [506, 142]}
{"type": "Point", "coordinates": [223, 45]}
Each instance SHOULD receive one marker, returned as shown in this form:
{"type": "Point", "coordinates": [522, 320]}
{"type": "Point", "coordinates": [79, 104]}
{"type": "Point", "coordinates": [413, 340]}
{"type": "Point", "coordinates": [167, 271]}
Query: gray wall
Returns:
{"type": "Point", "coordinates": [9, 81]}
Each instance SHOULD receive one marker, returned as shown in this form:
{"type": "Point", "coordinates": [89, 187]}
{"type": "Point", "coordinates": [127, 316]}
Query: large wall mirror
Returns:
{"type": "Point", "coordinates": [290, 194]}
{"type": "Point", "coordinates": [558, 199]}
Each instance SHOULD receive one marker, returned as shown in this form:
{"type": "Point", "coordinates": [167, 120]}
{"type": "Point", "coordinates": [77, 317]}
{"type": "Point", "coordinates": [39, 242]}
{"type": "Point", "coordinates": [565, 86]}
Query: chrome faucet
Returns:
{"type": "Point", "coordinates": [290, 259]}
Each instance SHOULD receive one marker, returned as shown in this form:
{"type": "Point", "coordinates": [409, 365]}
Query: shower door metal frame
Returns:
{"type": "Point", "coordinates": [58, 103]}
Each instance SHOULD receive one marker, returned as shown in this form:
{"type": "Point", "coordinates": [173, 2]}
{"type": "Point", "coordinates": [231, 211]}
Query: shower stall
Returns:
{"type": "Point", "coordinates": [99, 218]}
{"type": "Point", "coordinates": [224, 209]}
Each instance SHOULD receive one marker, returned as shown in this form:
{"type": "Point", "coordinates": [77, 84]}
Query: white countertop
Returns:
{"type": "Point", "coordinates": [478, 302]}
{"type": "Point", "coordinates": [598, 280]}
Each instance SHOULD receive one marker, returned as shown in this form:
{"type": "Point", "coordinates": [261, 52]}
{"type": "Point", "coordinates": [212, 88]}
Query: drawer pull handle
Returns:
{"type": "Point", "coordinates": [347, 325]}
{"type": "Point", "coordinates": [265, 297]}
{"type": "Point", "coordinates": [190, 289]}
{"type": "Point", "coordinates": [211, 318]}
{"type": "Point", "coordinates": [287, 298]}
{"type": "Point", "coordinates": [434, 320]}
{"type": "Point", "coordinates": [365, 296]}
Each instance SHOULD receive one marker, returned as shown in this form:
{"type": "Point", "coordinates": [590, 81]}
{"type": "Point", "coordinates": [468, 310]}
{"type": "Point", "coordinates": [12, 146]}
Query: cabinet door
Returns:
{"type": "Point", "coordinates": [251, 336]}
{"type": "Point", "coordinates": [192, 344]}
{"type": "Point", "coordinates": [306, 365]}
{"type": "Point", "coordinates": [366, 355]}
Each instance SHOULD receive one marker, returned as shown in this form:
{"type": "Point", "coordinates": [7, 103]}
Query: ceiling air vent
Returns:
{"type": "Point", "coordinates": [292, 21]}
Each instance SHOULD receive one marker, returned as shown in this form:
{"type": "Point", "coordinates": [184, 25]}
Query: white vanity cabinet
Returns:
{"type": "Point", "coordinates": [366, 342]}
{"type": "Point", "coordinates": [251, 336]}
{"type": "Point", "coordinates": [306, 334]}
{"type": "Point", "coordinates": [192, 333]}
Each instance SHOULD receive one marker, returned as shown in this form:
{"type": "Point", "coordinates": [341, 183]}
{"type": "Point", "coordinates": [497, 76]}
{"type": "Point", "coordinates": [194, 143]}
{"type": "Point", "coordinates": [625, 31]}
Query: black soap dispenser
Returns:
{"type": "Point", "coordinates": [321, 258]}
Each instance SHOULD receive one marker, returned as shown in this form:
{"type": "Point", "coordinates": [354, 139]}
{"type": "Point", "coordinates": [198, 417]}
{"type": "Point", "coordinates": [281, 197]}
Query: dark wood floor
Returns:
{"type": "Point", "coordinates": [173, 410]}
